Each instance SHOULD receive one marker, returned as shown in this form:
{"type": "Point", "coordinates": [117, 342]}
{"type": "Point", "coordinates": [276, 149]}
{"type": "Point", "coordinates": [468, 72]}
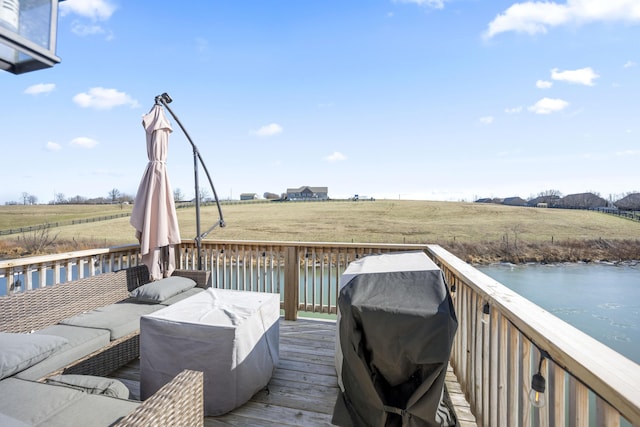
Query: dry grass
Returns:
{"type": "Point", "coordinates": [476, 232]}
{"type": "Point", "coordinates": [25, 215]}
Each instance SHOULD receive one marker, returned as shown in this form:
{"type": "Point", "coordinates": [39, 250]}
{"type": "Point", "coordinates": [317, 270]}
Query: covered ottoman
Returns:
{"type": "Point", "coordinates": [231, 336]}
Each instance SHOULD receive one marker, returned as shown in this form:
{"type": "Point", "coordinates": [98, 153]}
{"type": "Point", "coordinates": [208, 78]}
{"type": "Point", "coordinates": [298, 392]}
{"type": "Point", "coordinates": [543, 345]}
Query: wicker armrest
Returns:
{"type": "Point", "coordinates": [201, 277]}
{"type": "Point", "coordinates": [178, 403]}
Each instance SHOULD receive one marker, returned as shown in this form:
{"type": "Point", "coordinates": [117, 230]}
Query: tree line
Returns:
{"type": "Point", "coordinates": [114, 196]}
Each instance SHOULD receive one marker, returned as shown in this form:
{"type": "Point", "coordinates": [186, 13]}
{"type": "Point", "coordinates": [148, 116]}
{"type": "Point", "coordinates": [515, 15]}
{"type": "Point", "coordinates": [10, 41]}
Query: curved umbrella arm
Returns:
{"type": "Point", "coordinates": [164, 99]}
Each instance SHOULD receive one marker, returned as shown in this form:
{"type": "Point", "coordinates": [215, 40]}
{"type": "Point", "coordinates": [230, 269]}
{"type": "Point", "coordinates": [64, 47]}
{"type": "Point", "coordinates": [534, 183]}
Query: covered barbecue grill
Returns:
{"type": "Point", "coordinates": [396, 325]}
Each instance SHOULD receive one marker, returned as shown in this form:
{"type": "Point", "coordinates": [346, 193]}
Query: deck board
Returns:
{"type": "Point", "coordinates": [304, 387]}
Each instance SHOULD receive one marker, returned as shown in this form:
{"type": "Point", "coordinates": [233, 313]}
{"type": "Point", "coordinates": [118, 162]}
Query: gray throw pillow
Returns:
{"type": "Point", "coordinates": [21, 351]}
{"type": "Point", "coordinates": [160, 290]}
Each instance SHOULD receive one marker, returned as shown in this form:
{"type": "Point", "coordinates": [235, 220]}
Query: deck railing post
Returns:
{"type": "Point", "coordinates": [291, 282]}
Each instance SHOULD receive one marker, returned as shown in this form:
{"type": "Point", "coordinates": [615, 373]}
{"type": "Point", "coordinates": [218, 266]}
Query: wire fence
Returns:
{"type": "Point", "coordinates": [37, 227]}
{"type": "Point", "coordinates": [632, 215]}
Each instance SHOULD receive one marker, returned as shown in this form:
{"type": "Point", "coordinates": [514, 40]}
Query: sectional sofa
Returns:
{"type": "Point", "coordinates": [58, 344]}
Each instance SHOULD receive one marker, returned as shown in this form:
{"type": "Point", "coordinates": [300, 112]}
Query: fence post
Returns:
{"type": "Point", "coordinates": [291, 283]}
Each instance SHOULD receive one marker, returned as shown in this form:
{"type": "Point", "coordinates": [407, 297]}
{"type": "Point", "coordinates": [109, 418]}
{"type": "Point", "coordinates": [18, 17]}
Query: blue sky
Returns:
{"type": "Point", "coordinates": [411, 99]}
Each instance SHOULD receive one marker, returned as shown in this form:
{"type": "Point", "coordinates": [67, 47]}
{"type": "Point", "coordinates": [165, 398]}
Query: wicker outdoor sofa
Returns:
{"type": "Point", "coordinates": [41, 314]}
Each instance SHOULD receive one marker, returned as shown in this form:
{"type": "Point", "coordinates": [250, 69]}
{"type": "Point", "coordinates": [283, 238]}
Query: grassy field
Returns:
{"type": "Point", "coordinates": [458, 226]}
{"type": "Point", "coordinates": [25, 215]}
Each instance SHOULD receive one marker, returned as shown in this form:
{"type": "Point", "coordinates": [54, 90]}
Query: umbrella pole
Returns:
{"type": "Point", "coordinates": [165, 99]}
{"type": "Point", "coordinates": [197, 190]}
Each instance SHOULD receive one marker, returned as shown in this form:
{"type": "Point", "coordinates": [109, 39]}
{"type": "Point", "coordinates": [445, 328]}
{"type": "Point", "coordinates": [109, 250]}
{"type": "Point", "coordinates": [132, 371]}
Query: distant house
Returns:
{"type": "Point", "coordinates": [582, 201]}
{"type": "Point", "coordinates": [495, 200]}
{"type": "Point", "coordinates": [307, 193]}
{"type": "Point", "coordinates": [550, 201]}
{"type": "Point", "coordinates": [514, 201]}
{"type": "Point", "coordinates": [630, 202]}
{"type": "Point", "coordinates": [248, 196]}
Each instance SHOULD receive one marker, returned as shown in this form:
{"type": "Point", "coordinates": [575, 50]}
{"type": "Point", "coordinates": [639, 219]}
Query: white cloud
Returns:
{"type": "Point", "coordinates": [435, 4]}
{"type": "Point", "coordinates": [630, 64]}
{"type": "Point", "coordinates": [104, 99]}
{"type": "Point", "coordinates": [628, 153]}
{"type": "Point", "coordinates": [82, 30]}
{"type": "Point", "coordinates": [40, 88]}
{"type": "Point", "coordinates": [486, 120]}
{"type": "Point", "coordinates": [93, 9]}
{"type": "Point", "coordinates": [268, 130]}
{"type": "Point", "coordinates": [543, 84]}
{"type": "Point", "coordinates": [513, 110]}
{"type": "Point", "coordinates": [536, 17]}
{"type": "Point", "coordinates": [548, 106]}
{"type": "Point", "coordinates": [53, 146]}
{"type": "Point", "coordinates": [583, 76]}
{"type": "Point", "coordinates": [336, 156]}
{"type": "Point", "coordinates": [84, 142]}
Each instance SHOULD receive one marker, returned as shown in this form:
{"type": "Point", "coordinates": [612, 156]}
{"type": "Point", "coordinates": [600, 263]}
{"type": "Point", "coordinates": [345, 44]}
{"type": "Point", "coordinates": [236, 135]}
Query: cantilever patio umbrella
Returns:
{"type": "Point", "coordinates": [154, 212]}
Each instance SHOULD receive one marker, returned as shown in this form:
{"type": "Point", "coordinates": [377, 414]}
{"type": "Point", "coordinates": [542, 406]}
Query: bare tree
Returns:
{"type": "Point", "coordinates": [77, 200]}
{"type": "Point", "coordinates": [124, 197]}
{"type": "Point", "coordinates": [546, 193]}
{"type": "Point", "coordinates": [39, 240]}
{"type": "Point", "coordinates": [60, 199]}
{"type": "Point", "coordinates": [204, 194]}
{"type": "Point", "coordinates": [178, 196]}
{"type": "Point", "coordinates": [25, 197]}
{"type": "Point", "coordinates": [32, 199]}
{"type": "Point", "coordinates": [114, 194]}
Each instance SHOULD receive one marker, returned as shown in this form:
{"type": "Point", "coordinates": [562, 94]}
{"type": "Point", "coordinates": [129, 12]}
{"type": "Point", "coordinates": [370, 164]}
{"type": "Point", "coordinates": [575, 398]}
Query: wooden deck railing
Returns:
{"type": "Point", "coordinates": [494, 355]}
{"type": "Point", "coordinates": [587, 383]}
{"type": "Point", "coordinates": [306, 275]}
{"type": "Point", "coordinates": [22, 274]}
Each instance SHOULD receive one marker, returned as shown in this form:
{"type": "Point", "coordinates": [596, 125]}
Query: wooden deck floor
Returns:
{"type": "Point", "coordinates": [304, 387]}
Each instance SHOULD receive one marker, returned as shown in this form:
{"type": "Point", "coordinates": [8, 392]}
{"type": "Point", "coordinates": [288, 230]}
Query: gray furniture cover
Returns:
{"type": "Point", "coordinates": [231, 336]}
{"type": "Point", "coordinates": [396, 325]}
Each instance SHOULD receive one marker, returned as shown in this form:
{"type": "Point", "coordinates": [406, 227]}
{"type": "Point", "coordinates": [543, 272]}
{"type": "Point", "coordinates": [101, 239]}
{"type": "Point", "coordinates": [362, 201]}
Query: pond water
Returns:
{"type": "Point", "coordinates": [602, 300]}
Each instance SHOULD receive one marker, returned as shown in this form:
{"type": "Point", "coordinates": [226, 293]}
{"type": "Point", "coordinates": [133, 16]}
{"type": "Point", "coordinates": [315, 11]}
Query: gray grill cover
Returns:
{"type": "Point", "coordinates": [396, 325]}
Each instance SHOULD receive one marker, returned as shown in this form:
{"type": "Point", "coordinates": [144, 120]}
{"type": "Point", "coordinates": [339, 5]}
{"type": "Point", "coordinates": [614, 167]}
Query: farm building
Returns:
{"type": "Point", "coordinates": [630, 202]}
{"type": "Point", "coordinates": [248, 196]}
{"type": "Point", "coordinates": [550, 201]}
{"type": "Point", "coordinates": [582, 201]}
{"type": "Point", "coordinates": [307, 193]}
{"type": "Point", "coordinates": [514, 201]}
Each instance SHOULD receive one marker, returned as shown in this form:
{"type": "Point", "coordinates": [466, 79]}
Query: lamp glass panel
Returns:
{"type": "Point", "coordinates": [35, 21]}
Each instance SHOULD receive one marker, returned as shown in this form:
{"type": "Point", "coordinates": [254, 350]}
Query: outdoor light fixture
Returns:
{"type": "Point", "coordinates": [28, 35]}
{"type": "Point", "coordinates": [486, 311]}
{"type": "Point", "coordinates": [538, 385]}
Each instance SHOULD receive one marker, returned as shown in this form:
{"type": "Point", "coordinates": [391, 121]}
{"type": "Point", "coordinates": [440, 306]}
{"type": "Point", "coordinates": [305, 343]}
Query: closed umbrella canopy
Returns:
{"type": "Point", "coordinates": [154, 212]}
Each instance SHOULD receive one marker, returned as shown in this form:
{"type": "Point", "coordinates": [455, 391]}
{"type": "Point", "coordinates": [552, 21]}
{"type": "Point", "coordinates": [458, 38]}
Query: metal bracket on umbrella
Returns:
{"type": "Point", "coordinates": [164, 100]}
